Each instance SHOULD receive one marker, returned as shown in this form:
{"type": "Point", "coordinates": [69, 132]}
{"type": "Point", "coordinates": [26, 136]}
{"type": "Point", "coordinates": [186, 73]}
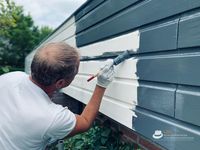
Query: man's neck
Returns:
{"type": "Point", "coordinates": [49, 90]}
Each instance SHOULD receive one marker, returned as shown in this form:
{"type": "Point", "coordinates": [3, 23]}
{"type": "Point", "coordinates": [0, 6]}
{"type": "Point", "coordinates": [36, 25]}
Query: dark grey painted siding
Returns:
{"type": "Point", "coordinates": [92, 4]}
{"type": "Point", "coordinates": [159, 38]}
{"type": "Point", "coordinates": [189, 31]}
{"type": "Point", "coordinates": [161, 68]}
{"type": "Point", "coordinates": [189, 69]}
{"type": "Point", "coordinates": [107, 9]}
{"type": "Point", "coordinates": [143, 13]}
{"type": "Point", "coordinates": [176, 68]}
{"type": "Point", "coordinates": [177, 135]}
{"type": "Point", "coordinates": [157, 97]}
{"type": "Point", "coordinates": [188, 104]}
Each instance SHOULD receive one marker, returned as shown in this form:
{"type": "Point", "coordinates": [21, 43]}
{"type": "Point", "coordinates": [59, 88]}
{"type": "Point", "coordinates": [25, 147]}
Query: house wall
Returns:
{"type": "Point", "coordinates": [156, 89]}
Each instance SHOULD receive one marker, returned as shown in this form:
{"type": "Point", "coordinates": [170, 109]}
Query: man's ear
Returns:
{"type": "Point", "coordinates": [60, 83]}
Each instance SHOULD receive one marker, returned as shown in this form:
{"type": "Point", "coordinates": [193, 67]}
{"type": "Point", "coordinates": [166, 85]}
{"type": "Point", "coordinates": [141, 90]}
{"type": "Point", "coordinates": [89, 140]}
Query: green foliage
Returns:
{"type": "Point", "coordinates": [7, 14]}
{"type": "Point", "coordinates": [99, 137]}
{"type": "Point", "coordinates": [18, 34]}
{"type": "Point", "coordinates": [44, 32]}
{"type": "Point", "coordinates": [6, 69]}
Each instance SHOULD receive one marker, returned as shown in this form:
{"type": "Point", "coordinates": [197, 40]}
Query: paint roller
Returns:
{"type": "Point", "coordinates": [120, 58]}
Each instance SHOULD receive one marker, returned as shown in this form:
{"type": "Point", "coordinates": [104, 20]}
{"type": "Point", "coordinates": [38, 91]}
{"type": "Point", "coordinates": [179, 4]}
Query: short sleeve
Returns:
{"type": "Point", "coordinates": [63, 123]}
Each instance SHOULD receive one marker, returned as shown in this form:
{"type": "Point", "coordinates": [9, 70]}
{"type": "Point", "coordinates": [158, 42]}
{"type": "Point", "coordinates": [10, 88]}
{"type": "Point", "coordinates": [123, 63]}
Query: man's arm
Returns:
{"type": "Point", "coordinates": [84, 121]}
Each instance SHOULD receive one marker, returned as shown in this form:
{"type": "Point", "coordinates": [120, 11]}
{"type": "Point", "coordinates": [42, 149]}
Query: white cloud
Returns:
{"type": "Point", "coordinates": [52, 12]}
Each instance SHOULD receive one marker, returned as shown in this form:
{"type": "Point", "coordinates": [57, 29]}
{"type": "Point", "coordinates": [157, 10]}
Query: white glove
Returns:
{"type": "Point", "coordinates": [106, 74]}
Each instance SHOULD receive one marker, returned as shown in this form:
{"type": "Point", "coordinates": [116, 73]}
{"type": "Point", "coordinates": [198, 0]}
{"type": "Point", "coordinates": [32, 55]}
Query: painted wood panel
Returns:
{"type": "Point", "coordinates": [146, 40]}
{"type": "Point", "coordinates": [56, 34]}
{"type": "Point", "coordinates": [189, 31]}
{"type": "Point", "coordinates": [176, 135]}
{"type": "Point", "coordinates": [123, 42]}
{"type": "Point", "coordinates": [189, 72]}
{"type": "Point", "coordinates": [123, 70]}
{"type": "Point", "coordinates": [90, 5]}
{"type": "Point", "coordinates": [65, 34]}
{"type": "Point", "coordinates": [143, 13]}
{"type": "Point", "coordinates": [179, 68]}
{"type": "Point", "coordinates": [66, 31]}
{"type": "Point", "coordinates": [122, 113]}
{"type": "Point", "coordinates": [123, 79]}
{"type": "Point", "coordinates": [124, 97]}
{"type": "Point", "coordinates": [71, 41]}
{"type": "Point", "coordinates": [159, 38]}
{"type": "Point", "coordinates": [188, 104]}
{"type": "Point", "coordinates": [158, 68]}
{"type": "Point", "coordinates": [105, 10]}
{"type": "Point", "coordinates": [154, 96]}
{"type": "Point", "coordinates": [157, 97]}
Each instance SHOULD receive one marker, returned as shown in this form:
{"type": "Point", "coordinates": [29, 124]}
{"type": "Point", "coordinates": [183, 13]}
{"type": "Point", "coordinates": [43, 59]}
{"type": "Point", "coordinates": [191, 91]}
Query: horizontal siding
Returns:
{"type": "Point", "coordinates": [66, 31]}
{"type": "Point", "coordinates": [105, 10]}
{"type": "Point", "coordinates": [134, 17]}
{"type": "Point", "coordinates": [121, 81]}
{"type": "Point", "coordinates": [150, 40]}
{"type": "Point", "coordinates": [188, 69]}
{"type": "Point", "coordinates": [90, 6]}
{"type": "Point", "coordinates": [65, 34]}
{"type": "Point", "coordinates": [157, 97]}
{"type": "Point", "coordinates": [59, 31]}
{"type": "Point", "coordinates": [177, 135]}
{"type": "Point", "coordinates": [189, 31]}
{"type": "Point", "coordinates": [188, 104]}
{"type": "Point", "coordinates": [161, 37]}
{"type": "Point", "coordinates": [123, 97]}
{"type": "Point", "coordinates": [154, 96]}
{"type": "Point", "coordinates": [107, 105]}
{"type": "Point", "coordinates": [123, 42]}
{"type": "Point", "coordinates": [123, 70]}
{"type": "Point", "coordinates": [158, 68]}
{"type": "Point", "coordinates": [179, 69]}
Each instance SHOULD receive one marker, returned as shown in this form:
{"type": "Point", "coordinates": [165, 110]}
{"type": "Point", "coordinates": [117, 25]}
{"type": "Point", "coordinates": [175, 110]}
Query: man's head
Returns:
{"type": "Point", "coordinates": [55, 64]}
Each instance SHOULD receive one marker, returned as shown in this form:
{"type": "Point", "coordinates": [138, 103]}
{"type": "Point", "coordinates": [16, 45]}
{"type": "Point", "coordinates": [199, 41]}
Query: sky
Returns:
{"type": "Point", "coordinates": [49, 12]}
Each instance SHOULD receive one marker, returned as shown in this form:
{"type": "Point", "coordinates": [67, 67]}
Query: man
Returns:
{"type": "Point", "coordinates": [29, 120]}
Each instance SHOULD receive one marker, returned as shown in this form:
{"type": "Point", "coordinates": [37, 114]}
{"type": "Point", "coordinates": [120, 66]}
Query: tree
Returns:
{"type": "Point", "coordinates": [44, 32]}
{"type": "Point", "coordinates": [18, 34]}
{"type": "Point", "coordinates": [7, 14]}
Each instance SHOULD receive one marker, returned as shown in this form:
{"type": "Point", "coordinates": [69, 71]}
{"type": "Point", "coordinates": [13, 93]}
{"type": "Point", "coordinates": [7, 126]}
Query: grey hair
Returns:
{"type": "Point", "coordinates": [54, 61]}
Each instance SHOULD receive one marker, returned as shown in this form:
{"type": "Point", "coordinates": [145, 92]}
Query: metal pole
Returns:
{"type": "Point", "coordinates": [60, 145]}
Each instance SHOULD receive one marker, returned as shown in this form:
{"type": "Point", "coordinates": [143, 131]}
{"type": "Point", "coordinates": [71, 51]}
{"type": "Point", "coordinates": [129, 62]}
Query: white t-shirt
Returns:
{"type": "Point", "coordinates": [29, 120]}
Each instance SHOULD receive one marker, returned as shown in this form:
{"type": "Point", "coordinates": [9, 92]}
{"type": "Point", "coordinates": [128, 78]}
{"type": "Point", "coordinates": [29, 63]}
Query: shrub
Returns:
{"type": "Point", "coordinates": [98, 137]}
{"type": "Point", "coordinates": [6, 69]}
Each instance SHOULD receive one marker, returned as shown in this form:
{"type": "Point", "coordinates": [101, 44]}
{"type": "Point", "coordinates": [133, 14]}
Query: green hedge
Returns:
{"type": "Point", "coordinates": [99, 137]}
{"type": "Point", "coordinates": [6, 69]}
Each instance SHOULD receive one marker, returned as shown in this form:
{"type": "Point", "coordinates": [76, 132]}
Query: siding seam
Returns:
{"type": "Point", "coordinates": [177, 38]}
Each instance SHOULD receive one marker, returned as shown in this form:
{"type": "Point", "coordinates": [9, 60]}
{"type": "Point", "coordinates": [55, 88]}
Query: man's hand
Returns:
{"type": "Point", "coordinates": [106, 74]}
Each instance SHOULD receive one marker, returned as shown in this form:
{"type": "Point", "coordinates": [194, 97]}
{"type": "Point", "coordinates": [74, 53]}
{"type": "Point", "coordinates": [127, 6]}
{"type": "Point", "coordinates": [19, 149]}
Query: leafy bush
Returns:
{"type": "Point", "coordinates": [99, 137]}
{"type": "Point", "coordinates": [6, 69]}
